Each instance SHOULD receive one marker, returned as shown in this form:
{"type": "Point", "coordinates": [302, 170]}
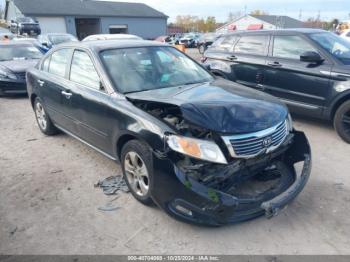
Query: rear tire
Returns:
{"type": "Point", "coordinates": [44, 122]}
{"type": "Point", "coordinates": [342, 121]}
{"type": "Point", "coordinates": [201, 49]}
{"type": "Point", "coordinates": [136, 160]}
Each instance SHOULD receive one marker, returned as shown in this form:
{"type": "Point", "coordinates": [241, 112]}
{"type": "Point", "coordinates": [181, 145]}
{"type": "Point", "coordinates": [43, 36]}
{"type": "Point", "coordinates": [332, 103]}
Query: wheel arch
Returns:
{"type": "Point", "coordinates": [32, 99]}
{"type": "Point", "coordinates": [341, 100]}
{"type": "Point", "coordinates": [125, 138]}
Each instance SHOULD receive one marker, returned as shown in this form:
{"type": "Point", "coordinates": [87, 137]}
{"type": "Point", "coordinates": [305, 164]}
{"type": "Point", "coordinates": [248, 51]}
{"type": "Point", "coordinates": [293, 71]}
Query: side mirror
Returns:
{"type": "Point", "coordinates": [311, 57]}
{"type": "Point", "coordinates": [207, 66]}
{"type": "Point", "coordinates": [45, 44]}
{"type": "Point", "coordinates": [12, 21]}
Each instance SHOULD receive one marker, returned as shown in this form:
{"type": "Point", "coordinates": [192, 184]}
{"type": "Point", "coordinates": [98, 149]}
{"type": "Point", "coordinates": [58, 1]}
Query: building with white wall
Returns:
{"type": "Point", "coordinates": [255, 22]}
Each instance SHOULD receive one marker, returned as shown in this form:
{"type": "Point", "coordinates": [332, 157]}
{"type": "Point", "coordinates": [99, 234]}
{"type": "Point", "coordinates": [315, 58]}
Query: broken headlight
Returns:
{"type": "Point", "coordinates": [197, 148]}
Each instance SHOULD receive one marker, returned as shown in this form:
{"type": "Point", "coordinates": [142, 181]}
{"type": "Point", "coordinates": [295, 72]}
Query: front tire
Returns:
{"type": "Point", "coordinates": [44, 122]}
{"type": "Point", "coordinates": [342, 121]}
{"type": "Point", "coordinates": [136, 159]}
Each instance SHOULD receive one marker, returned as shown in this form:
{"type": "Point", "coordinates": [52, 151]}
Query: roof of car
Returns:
{"type": "Point", "coordinates": [57, 34]}
{"type": "Point", "coordinates": [110, 44]}
{"type": "Point", "coordinates": [111, 36]}
{"type": "Point", "coordinates": [294, 30]}
{"type": "Point", "coordinates": [15, 43]}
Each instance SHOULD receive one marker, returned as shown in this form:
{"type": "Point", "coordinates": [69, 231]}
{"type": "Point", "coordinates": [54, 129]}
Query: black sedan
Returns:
{"type": "Point", "coordinates": [25, 25]}
{"type": "Point", "coordinates": [205, 150]}
{"type": "Point", "coordinates": [15, 59]}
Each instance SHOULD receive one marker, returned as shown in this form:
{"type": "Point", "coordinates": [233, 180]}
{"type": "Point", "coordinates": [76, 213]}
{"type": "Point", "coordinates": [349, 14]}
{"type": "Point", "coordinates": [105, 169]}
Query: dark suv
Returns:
{"type": "Point", "coordinates": [25, 25]}
{"type": "Point", "coordinates": [307, 69]}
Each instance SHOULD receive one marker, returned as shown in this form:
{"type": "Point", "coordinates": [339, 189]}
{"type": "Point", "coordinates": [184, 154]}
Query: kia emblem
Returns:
{"type": "Point", "coordinates": [267, 141]}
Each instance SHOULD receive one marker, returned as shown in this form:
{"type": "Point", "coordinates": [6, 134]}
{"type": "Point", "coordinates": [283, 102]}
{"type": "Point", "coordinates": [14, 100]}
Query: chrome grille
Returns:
{"type": "Point", "coordinates": [251, 145]}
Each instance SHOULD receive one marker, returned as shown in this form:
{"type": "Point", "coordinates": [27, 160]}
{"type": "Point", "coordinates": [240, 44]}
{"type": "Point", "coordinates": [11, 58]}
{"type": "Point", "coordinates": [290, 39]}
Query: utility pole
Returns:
{"type": "Point", "coordinates": [300, 14]}
{"type": "Point", "coordinates": [7, 4]}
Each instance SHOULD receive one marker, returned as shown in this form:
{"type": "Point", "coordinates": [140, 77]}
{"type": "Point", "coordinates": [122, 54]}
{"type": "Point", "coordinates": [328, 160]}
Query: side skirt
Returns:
{"type": "Point", "coordinates": [86, 143]}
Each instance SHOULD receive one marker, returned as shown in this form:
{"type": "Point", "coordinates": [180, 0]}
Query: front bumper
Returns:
{"type": "Point", "coordinates": [190, 201]}
{"type": "Point", "coordinates": [30, 31]}
{"type": "Point", "coordinates": [8, 86]}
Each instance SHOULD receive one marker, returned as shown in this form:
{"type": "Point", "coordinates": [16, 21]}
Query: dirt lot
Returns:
{"type": "Point", "coordinates": [48, 203]}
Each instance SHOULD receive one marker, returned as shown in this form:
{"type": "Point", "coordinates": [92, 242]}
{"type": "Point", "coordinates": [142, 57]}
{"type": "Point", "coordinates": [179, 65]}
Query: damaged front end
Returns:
{"type": "Point", "coordinates": [213, 178]}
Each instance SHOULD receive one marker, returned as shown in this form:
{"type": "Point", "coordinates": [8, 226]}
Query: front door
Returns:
{"type": "Point", "coordinates": [249, 57]}
{"type": "Point", "coordinates": [303, 86]}
{"type": "Point", "coordinates": [90, 103]}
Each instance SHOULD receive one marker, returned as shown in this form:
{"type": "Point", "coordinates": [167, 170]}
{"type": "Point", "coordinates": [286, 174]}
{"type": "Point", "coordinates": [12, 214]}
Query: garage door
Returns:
{"type": "Point", "coordinates": [52, 25]}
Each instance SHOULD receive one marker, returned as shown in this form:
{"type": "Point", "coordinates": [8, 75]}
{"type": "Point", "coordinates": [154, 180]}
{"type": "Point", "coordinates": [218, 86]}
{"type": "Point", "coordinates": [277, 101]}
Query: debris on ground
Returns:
{"type": "Point", "coordinates": [109, 206]}
{"type": "Point", "coordinates": [56, 171]}
{"type": "Point", "coordinates": [13, 231]}
{"type": "Point", "coordinates": [111, 185]}
{"type": "Point", "coordinates": [32, 140]}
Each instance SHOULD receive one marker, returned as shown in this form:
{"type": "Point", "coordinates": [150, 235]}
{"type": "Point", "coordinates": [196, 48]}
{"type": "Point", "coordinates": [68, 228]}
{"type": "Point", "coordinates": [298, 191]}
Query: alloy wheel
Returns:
{"type": "Point", "coordinates": [136, 173]}
{"type": "Point", "coordinates": [41, 116]}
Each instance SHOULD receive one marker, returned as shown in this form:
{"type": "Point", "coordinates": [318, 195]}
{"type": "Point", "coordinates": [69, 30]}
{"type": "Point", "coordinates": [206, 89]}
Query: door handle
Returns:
{"type": "Point", "coordinates": [41, 83]}
{"type": "Point", "coordinates": [232, 58]}
{"type": "Point", "coordinates": [274, 64]}
{"type": "Point", "coordinates": [66, 94]}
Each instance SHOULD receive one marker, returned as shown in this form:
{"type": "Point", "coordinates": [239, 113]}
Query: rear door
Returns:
{"type": "Point", "coordinates": [219, 55]}
{"type": "Point", "coordinates": [249, 59]}
{"type": "Point", "coordinates": [53, 84]}
{"type": "Point", "coordinates": [301, 85]}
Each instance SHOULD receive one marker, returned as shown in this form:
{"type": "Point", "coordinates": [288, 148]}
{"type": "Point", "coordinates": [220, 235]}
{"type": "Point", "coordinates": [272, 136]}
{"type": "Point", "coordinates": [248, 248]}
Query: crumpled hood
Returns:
{"type": "Point", "coordinates": [221, 106]}
{"type": "Point", "coordinates": [18, 66]}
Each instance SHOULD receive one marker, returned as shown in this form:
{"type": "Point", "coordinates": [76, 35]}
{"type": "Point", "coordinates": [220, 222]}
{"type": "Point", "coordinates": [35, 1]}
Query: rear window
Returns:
{"type": "Point", "coordinates": [225, 43]}
{"type": "Point", "coordinates": [252, 44]}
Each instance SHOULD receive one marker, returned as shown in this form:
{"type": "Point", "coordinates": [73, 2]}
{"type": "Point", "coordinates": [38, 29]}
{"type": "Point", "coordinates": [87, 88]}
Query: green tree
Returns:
{"type": "Point", "coordinates": [259, 12]}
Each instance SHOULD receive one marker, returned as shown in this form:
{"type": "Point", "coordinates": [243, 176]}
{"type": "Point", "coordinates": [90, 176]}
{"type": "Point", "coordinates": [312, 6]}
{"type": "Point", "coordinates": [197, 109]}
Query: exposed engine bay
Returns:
{"type": "Point", "coordinates": [241, 177]}
{"type": "Point", "coordinates": [171, 114]}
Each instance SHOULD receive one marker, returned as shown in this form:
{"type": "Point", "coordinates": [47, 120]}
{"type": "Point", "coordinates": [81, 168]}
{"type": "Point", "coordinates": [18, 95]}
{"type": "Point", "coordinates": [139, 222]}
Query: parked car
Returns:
{"type": "Point", "coordinates": [25, 25]}
{"type": "Point", "coordinates": [205, 41]}
{"type": "Point", "coordinates": [112, 37]}
{"type": "Point", "coordinates": [204, 149]}
{"type": "Point", "coordinates": [171, 40]}
{"type": "Point", "coordinates": [308, 69]}
{"type": "Point", "coordinates": [189, 40]}
{"type": "Point", "coordinates": [53, 39]}
{"type": "Point", "coordinates": [34, 41]}
{"type": "Point", "coordinates": [346, 34]}
{"type": "Point", "coordinates": [15, 59]}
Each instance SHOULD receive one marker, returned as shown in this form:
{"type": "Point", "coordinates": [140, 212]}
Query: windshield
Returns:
{"type": "Point", "coordinates": [148, 68]}
{"type": "Point", "coordinates": [335, 45]}
{"type": "Point", "coordinates": [59, 39]}
{"type": "Point", "coordinates": [25, 20]}
{"type": "Point", "coordinates": [8, 53]}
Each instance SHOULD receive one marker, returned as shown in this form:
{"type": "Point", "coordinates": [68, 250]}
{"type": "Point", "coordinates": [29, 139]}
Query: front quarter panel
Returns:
{"type": "Point", "coordinates": [135, 122]}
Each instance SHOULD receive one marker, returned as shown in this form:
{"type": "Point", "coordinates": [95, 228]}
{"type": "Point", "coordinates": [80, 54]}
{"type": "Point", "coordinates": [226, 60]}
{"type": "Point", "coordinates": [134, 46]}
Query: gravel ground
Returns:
{"type": "Point", "coordinates": [48, 203]}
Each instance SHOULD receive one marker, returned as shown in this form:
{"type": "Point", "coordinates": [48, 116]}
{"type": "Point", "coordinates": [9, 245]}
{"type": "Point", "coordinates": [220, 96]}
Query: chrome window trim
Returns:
{"type": "Point", "coordinates": [259, 134]}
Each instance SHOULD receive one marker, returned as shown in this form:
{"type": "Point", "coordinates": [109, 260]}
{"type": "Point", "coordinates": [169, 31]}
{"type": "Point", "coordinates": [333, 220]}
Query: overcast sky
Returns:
{"type": "Point", "coordinates": [220, 8]}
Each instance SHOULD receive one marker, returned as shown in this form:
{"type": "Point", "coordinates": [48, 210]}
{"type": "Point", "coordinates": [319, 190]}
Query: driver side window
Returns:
{"type": "Point", "coordinates": [290, 47]}
{"type": "Point", "coordinates": [83, 71]}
